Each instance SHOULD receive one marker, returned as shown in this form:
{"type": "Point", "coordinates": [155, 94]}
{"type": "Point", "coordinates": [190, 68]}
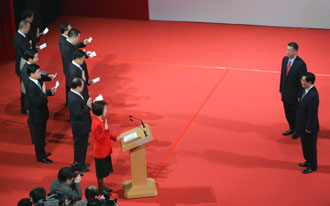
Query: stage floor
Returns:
{"type": "Point", "coordinates": [211, 95]}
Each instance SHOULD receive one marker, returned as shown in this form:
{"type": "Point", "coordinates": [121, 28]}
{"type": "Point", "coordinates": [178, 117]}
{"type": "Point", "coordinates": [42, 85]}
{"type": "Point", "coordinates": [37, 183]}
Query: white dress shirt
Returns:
{"type": "Point", "coordinates": [77, 65]}
{"type": "Point", "coordinates": [77, 93]}
{"type": "Point", "coordinates": [36, 82]}
{"type": "Point", "coordinates": [22, 34]}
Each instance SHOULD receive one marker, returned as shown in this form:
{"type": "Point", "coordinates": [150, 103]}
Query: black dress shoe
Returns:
{"type": "Point", "coordinates": [87, 165]}
{"type": "Point", "coordinates": [48, 154]}
{"type": "Point", "coordinates": [84, 169]}
{"type": "Point", "coordinates": [303, 164]}
{"type": "Point", "coordinates": [307, 171]}
{"type": "Point", "coordinates": [107, 189]}
{"type": "Point", "coordinates": [295, 136]}
{"type": "Point", "coordinates": [45, 160]}
{"type": "Point", "coordinates": [290, 131]}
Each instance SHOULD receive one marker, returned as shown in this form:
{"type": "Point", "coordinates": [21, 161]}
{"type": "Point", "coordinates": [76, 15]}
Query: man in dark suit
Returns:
{"type": "Point", "coordinates": [21, 44]}
{"type": "Point", "coordinates": [38, 111]}
{"type": "Point", "coordinates": [67, 48]}
{"type": "Point", "coordinates": [293, 67]}
{"type": "Point", "coordinates": [308, 122]}
{"type": "Point", "coordinates": [32, 35]}
{"type": "Point", "coordinates": [78, 68]}
{"type": "Point", "coordinates": [80, 123]}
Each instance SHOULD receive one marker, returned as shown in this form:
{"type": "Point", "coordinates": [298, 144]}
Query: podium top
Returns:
{"type": "Point", "coordinates": [141, 139]}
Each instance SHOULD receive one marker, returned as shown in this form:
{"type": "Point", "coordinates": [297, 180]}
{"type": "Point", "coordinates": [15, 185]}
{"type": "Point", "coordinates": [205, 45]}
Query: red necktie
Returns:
{"type": "Point", "coordinates": [288, 68]}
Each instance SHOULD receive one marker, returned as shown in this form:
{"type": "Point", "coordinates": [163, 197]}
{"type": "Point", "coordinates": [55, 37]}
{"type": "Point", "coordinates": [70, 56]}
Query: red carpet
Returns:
{"type": "Point", "coordinates": [210, 94]}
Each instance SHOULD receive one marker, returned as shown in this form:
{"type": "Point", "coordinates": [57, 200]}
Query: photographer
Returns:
{"type": "Point", "coordinates": [91, 194]}
{"type": "Point", "coordinates": [68, 184]}
{"type": "Point", "coordinates": [38, 195]}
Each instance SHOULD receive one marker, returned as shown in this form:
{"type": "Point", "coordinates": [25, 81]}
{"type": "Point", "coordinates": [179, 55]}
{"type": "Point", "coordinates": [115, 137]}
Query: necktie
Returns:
{"type": "Point", "coordinates": [288, 68]}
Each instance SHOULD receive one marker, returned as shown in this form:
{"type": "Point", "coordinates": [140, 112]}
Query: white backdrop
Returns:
{"type": "Point", "coordinates": [287, 13]}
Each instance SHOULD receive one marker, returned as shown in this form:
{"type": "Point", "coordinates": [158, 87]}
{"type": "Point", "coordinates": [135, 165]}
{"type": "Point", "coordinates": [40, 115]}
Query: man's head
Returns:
{"type": "Point", "coordinates": [65, 28]}
{"type": "Point", "coordinates": [37, 194]}
{"type": "Point", "coordinates": [307, 80]}
{"type": "Point", "coordinates": [28, 16]}
{"type": "Point", "coordinates": [74, 36]}
{"type": "Point", "coordinates": [66, 175]}
{"type": "Point", "coordinates": [24, 27]}
{"type": "Point", "coordinates": [31, 56]}
{"type": "Point", "coordinates": [77, 85]}
{"type": "Point", "coordinates": [91, 192]}
{"type": "Point", "coordinates": [24, 202]}
{"type": "Point", "coordinates": [33, 71]}
{"type": "Point", "coordinates": [79, 57]}
{"type": "Point", "coordinates": [292, 49]}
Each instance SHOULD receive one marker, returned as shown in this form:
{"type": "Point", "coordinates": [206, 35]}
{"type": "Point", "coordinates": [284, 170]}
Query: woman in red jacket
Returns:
{"type": "Point", "coordinates": [102, 144]}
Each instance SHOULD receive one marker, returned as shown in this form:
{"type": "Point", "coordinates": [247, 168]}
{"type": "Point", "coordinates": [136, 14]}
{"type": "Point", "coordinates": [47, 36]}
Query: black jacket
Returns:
{"type": "Point", "coordinates": [73, 72]}
{"type": "Point", "coordinates": [307, 112]}
{"type": "Point", "coordinates": [67, 49]}
{"type": "Point", "coordinates": [290, 86]}
{"type": "Point", "coordinates": [21, 44]}
{"type": "Point", "coordinates": [80, 115]}
{"type": "Point", "coordinates": [37, 100]}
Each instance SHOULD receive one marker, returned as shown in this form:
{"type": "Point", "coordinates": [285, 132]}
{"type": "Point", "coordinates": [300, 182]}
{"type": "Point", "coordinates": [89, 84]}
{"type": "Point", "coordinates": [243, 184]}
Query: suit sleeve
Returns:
{"type": "Point", "coordinates": [76, 110]}
{"type": "Point", "coordinates": [73, 73]}
{"type": "Point", "coordinates": [36, 98]}
{"type": "Point", "coordinates": [301, 72]}
{"type": "Point", "coordinates": [81, 45]}
{"type": "Point", "coordinates": [312, 114]}
{"type": "Point", "coordinates": [45, 78]}
{"type": "Point", "coordinates": [281, 81]}
{"type": "Point", "coordinates": [67, 58]}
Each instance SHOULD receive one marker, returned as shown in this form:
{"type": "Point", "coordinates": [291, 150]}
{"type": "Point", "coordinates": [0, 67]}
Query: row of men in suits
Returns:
{"type": "Point", "coordinates": [77, 96]}
{"type": "Point", "coordinates": [300, 100]}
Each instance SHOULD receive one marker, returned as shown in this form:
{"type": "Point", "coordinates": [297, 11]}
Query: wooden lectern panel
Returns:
{"type": "Point", "coordinates": [140, 185]}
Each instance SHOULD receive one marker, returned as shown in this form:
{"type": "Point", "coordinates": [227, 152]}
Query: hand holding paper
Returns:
{"type": "Point", "coordinates": [57, 84]}
{"type": "Point", "coordinates": [99, 98]}
{"type": "Point", "coordinates": [52, 76]}
{"type": "Point", "coordinates": [45, 31]}
{"type": "Point", "coordinates": [90, 39]}
{"type": "Point", "coordinates": [42, 46]}
{"type": "Point", "coordinates": [91, 54]}
{"type": "Point", "coordinates": [96, 80]}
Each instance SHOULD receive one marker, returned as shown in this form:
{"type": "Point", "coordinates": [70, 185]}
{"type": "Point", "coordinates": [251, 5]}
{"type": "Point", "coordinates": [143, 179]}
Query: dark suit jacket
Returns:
{"type": "Point", "coordinates": [25, 79]}
{"type": "Point", "coordinates": [67, 49]}
{"type": "Point", "coordinates": [21, 44]}
{"type": "Point", "coordinates": [32, 36]}
{"type": "Point", "coordinates": [74, 72]}
{"type": "Point", "coordinates": [290, 86]}
{"type": "Point", "coordinates": [307, 112]}
{"type": "Point", "coordinates": [80, 115]}
{"type": "Point", "coordinates": [37, 100]}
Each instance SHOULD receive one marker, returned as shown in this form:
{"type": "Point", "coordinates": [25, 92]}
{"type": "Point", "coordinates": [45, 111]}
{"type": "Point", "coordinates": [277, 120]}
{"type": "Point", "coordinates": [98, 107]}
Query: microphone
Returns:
{"type": "Point", "coordinates": [145, 133]}
{"type": "Point", "coordinates": [130, 116]}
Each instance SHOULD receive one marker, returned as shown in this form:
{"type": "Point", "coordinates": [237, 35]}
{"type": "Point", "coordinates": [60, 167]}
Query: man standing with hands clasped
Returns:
{"type": "Point", "coordinates": [293, 67]}
{"type": "Point", "coordinates": [308, 122]}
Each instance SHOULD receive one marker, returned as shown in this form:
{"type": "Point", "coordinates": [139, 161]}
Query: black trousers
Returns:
{"type": "Point", "coordinates": [23, 105]}
{"type": "Point", "coordinates": [308, 143]}
{"type": "Point", "coordinates": [67, 89]}
{"type": "Point", "coordinates": [80, 148]}
{"type": "Point", "coordinates": [290, 114]}
{"type": "Point", "coordinates": [38, 136]}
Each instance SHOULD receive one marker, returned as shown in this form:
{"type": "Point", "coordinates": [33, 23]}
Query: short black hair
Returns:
{"type": "Point", "coordinates": [294, 45]}
{"type": "Point", "coordinates": [24, 202]}
{"type": "Point", "coordinates": [78, 54]}
{"type": "Point", "coordinates": [98, 107]}
{"type": "Point", "coordinates": [310, 77]}
{"type": "Point", "coordinates": [64, 27]}
{"type": "Point", "coordinates": [76, 82]}
{"type": "Point", "coordinates": [37, 194]}
{"type": "Point", "coordinates": [27, 14]}
{"type": "Point", "coordinates": [32, 68]}
{"type": "Point", "coordinates": [93, 202]}
{"type": "Point", "coordinates": [91, 192]}
{"type": "Point", "coordinates": [65, 173]}
{"type": "Point", "coordinates": [73, 32]}
{"type": "Point", "coordinates": [29, 54]}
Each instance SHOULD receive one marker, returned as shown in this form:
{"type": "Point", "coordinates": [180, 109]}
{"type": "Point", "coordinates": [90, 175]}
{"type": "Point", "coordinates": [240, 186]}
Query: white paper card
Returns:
{"type": "Point", "coordinates": [57, 84]}
{"type": "Point", "coordinates": [130, 137]}
{"type": "Point", "coordinates": [45, 31]}
{"type": "Point", "coordinates": [54, 76]}
{"type": "Point", "coordinates": [90, 39]}
{"type": "Point", "coordinates": [96, 80]}
{"type": "Point", "coordinates": [93, 54]}
{"type": "Point", "coordinates": [42, 46]}
{"type": "Point", "coordinates": [99, 98]}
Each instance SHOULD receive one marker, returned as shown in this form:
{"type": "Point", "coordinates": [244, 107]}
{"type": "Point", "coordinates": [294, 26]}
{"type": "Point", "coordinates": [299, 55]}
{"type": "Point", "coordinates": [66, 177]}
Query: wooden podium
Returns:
{"type": "Point", "coordinates": [140, 185]}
